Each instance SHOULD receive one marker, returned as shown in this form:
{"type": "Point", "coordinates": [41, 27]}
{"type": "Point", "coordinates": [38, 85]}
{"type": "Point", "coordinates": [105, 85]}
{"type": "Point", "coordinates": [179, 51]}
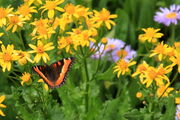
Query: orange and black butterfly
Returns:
{"type": "Point", "coordinates": [55, 74]}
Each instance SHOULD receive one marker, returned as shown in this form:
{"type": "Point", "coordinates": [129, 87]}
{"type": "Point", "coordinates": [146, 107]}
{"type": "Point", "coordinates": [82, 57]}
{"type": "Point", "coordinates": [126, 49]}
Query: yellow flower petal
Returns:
{"type": "Point", "coordinates": [2, 98]}
{"type": "Point", "coordinates": [1, 113]}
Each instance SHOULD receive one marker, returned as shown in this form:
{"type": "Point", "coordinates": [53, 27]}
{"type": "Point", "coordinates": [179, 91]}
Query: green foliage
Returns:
{"type": "Point", "coordinates": [92, 91]}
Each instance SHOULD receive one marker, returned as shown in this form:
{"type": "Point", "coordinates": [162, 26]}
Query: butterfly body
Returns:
{"type": "Point", "coordinates": [55, 74]}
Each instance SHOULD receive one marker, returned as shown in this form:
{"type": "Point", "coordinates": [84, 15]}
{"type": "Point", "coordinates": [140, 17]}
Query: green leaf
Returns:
{"type": "Point", "coordinates": [122, 22]}
{"type": "Point", "coordinates": [107, 75]}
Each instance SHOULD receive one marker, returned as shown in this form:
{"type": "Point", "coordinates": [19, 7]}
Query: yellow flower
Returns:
{"type": "Point", "coordinates": [51, 6]}
{"type": "Point", "coordinates": [170, 51]}
{"type": "Point", "coordinates": [42, 29]}
{"type": "Point", "coordinates": [14, 22]}
{"type": "Point", "coordinates": [139, 95]}
{"type": "Point", "coordinates": [45, 85]}
{"type": "Point", "coordinates": [85, 38]}
{"type": "Point", "coordinates": [163, 91]}
{"type": "Point", "coordinates": [160, 50]}
{"type": "Point", "coordinates": [104, 40]}
{"type": "Point", "coordinates": [81, 37]}
{"type": "Point", "coordinates": [70, 10]}
{"type": "Point", "coordinates": [91, 24]}
{"type": "Point", "coordinates": [177, 100]}
{"type": "Point", "coordinates": [26, 78]}
{"type": "Point", "coordinates": [176, 60]}
{"type": "Point", "coordinates": [4, 14]}
{"type": "Point", "coordinates": [83, 12]}
{"type": "Point", "coordinates": [155, 74]}
{"type": "Point", "coordinates": [25, 10]}
{"type": "Point", "coordinates": [151, 35]}
{"type": "Point", "coordinates": [36, 2]}
{"type": "Point", "coordinates": [161, 71]}
{"type": "Point", "coordinates": [141, 69]}
{"type": "Point", "coordinates": [7, 56]}
{"type": "Point", "coordinates": [23, 57]}
{"type": "Point", "coordinates": [62, 22]}
{"type": "Point", "coordinates": [40, 51]}
{"type": "Point", "coordinates": [122, 66]}
{"type": "Point", "coordinates": [2, 98]}
{"type": "Point", "coordinates": [65, 42]}
{"type": "Point", "coordinates": [104, 16]}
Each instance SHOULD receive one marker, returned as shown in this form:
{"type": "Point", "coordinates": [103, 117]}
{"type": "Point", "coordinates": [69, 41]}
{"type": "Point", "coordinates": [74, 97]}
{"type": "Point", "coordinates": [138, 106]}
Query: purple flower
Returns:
{"type": "Point", "coordinates": [127, 53]}
{"type": "Point", "coordinates": [112, 45]}
{"type": "Point", "coordinates": [177, 117]}
{"type": "Point", "coordinates": [167, 16]}
{"type": "Point", "coordinates": [115, 49]}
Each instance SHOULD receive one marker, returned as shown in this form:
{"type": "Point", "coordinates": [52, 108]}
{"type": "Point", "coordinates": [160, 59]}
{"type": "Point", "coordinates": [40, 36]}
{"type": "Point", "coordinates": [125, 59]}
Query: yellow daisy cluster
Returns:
{"type": "Point", "coordinates": [86, 23]}
{"type": "Point", "coordinates": [76, 25]}
{"type": "Point", "coordinates": [9, 54]}
{"type": "Point", "coordinates": [149, 74]}
{"type": "Point", "coordinates": [169, 53]}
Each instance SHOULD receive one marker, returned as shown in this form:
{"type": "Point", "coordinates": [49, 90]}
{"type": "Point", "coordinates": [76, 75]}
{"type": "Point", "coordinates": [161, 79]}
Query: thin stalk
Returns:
{"type": "Point", "coordinates": [87, 82]}
{"type": "Point", "coordinates": [172, 33]}
{"type": "Point", "coordinates": [20, 37]}
{"type": "Point", "coordinates": [87, 86]}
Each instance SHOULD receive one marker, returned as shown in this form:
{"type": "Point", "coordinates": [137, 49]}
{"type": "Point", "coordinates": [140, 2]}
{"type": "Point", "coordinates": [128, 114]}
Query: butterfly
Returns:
{"type": "Point", "coordinates": [55, 74]}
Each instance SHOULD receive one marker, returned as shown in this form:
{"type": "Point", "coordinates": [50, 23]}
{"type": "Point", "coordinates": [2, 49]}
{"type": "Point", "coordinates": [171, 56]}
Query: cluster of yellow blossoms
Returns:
{"type": "Point", "coordinates": [73, 26]}
{"type": "Point", "coordinates": [53, 19]}
{"type": "Point", "coordinates": [150, 75]}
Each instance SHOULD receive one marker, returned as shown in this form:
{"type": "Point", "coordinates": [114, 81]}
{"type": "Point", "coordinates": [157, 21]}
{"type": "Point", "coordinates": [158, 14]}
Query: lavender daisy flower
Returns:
{"type": "Point", "coordinates": [115, 49]}
{"type": "Point", "coordinates": [127, 53]}
{"type": "Point", "coordinates": [177, 117]}
{"type": "Point", "coordinates": [167, 16]}
{"type": "Point", "coordinates": [112, 45]}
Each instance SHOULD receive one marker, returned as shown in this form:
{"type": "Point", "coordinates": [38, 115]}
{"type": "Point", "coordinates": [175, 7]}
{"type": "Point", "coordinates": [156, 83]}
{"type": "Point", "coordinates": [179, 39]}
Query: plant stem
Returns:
{"type": "Point", "coordinates": [172, 33]}
{"type": "Point", "coordinates": [87, 82]}
{"type": "Point", "coordinates": [20, 37]}
{"type": "Point", "coordinates": [87, 86]}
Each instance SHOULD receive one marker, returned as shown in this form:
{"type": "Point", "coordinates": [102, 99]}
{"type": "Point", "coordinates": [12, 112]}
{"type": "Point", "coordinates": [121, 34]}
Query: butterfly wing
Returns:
{"type": "Point", "coordinates": [45, 73]}
{"type": "Point", "coordinates": [60, 70]}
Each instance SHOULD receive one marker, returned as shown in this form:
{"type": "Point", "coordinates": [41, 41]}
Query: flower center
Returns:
{"type": "Point", "coordinates": [123, 64]}
{"type": "Point", "coordinates": [24, 10]}
{"type": "Point", "coordinates": [68, 40]}
{"type": "Point", "coordinates": [50, 5]}
{"type": "Point", "coordinates": [42, 30]}
{"type": "Point", "coordinates": [7, 57]}
{"type": "Point", "coordinates": [14, 20]}
{"type": "Point", "coordinates": [3, 13]}
{"type": "Point", "coordinates": [150, 33]}
{"type": "Point", "coordinates": [121, 53]}
{"type": "Point", "coordinates": [152, 74]}
{"type": "Point", "coordinates": [142, 68]}
{"type": "Point", "coordinates": [70, 9]}
{"type": "Point", "coordinates": [171, 15]}
{"type": "Point", "coordinates": [104, 15]}
{"type": "Point", "coordinates": [160, 49]}
{"type": "Point", "coordinates": [40, 49]}
{"type": "Point", "coordinates": [161, 71]}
